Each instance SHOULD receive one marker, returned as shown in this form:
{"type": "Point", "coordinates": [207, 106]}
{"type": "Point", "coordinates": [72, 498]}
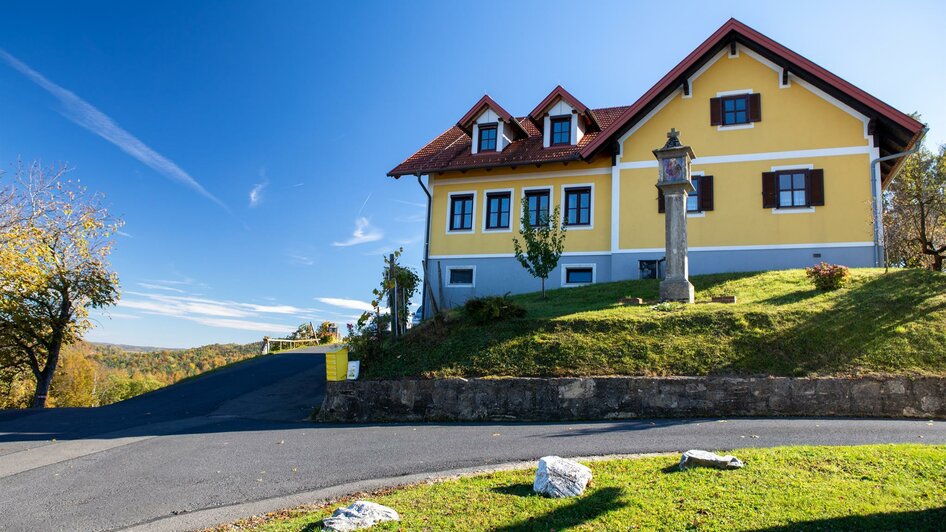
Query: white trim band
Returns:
{"type": "Point", "coordinates": [766, 156]}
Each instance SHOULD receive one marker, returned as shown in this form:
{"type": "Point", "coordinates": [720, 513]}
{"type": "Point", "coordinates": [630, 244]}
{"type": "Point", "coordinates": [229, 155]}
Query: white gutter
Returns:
{"type": "Point", "coordinates": [876, 187]}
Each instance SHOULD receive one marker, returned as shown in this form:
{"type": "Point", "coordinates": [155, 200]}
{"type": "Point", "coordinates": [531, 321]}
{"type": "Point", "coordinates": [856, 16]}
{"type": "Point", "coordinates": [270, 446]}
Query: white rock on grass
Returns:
{"type": "Point", "coordinates": [697, 458]}
{"type": "Point", "coordinates": [359, 515]}
{"type": "Point", "coordinates": [558, 477]}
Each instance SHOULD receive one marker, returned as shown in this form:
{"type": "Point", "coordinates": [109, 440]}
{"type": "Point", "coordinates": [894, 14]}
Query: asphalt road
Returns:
{"type": "Point", "coordinates": [236, 442]}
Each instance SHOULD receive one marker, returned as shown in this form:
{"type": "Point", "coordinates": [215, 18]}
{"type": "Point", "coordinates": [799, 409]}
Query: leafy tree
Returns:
{"type": "Point", "coordinates": [303, 332]}
{"type": "Point", "coordinates": [327, 332]}
{"type": "Point", "coordinates": [915, 212]}
{"type": "Point", "coordinates": [398, 283]}
{"type": "Point", "coordinates": [54, 246]}
{"type": "Point", "coordinates": [544, 244]}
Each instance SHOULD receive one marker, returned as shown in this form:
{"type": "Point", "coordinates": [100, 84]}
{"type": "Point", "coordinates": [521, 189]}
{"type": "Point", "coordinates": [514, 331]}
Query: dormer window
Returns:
{"type": "Point", "coordinates": [487, 138]}
{"type": "Point", "coordinates": [561, 130]}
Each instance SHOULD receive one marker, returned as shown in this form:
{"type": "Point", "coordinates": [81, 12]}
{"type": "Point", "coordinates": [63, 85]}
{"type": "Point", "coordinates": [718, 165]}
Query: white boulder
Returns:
{"type": "Point", "coordinates": [558, 477]}
{"type": "Point", "coordinates": [359, 515]}
{"type": "Point", "coordinates": [697, 458]}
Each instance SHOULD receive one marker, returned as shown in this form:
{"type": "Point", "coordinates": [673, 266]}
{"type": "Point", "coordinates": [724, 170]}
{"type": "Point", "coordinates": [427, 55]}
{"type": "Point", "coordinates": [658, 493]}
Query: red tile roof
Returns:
{"type": "Point", "coordinates": [896, 131]}
{"type": "Point", "coordinates": [452, 150]}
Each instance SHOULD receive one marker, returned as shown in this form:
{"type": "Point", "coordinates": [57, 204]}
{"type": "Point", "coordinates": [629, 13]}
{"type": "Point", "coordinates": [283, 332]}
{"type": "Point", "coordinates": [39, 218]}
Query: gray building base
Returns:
{"type": "Point", "coordinates": [501, 275]}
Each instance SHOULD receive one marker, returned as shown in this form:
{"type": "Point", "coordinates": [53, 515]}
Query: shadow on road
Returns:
{"type": "Point", "coordinates": [268, 391]}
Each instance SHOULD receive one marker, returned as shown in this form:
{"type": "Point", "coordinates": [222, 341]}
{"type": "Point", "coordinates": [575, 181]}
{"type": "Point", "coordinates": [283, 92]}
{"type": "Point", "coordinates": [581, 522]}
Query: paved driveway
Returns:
{"type": "Point", "coordinates": [236, 442]}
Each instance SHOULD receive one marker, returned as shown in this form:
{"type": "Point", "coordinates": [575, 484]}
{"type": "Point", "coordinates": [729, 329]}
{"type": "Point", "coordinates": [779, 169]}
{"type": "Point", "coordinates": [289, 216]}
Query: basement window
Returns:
{"type": "Point", "coordinates": [460, 276]}
{"type": "Point", "coordinates": [579, 275]}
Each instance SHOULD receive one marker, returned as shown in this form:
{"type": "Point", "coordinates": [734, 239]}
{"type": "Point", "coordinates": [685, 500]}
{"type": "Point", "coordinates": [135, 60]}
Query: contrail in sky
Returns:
{"type": "Point", "coordinates": [86, 115]}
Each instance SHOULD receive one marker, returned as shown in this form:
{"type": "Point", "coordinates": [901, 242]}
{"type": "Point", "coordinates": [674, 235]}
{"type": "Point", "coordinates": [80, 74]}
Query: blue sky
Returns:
{"type": "Point", "coordinates": [246, 144]}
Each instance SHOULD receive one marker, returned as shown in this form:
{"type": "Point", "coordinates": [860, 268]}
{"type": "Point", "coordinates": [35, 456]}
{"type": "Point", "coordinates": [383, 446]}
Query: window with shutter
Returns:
{"type": "Point", "coordinates": [789, 189]}
{"type": "Point", "coordinates": [706, 193]}
{"type": "Point", "coordinates": [816, 187]}
{"type": "Point", "coordinates": [769, 196]}
{"type": "Point", "coordinates": [738, 109]}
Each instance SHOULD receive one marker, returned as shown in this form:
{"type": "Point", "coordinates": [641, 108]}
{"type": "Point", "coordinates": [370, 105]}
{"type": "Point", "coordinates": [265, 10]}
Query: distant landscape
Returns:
{"type": "Point", "coordinates": [97, 374]}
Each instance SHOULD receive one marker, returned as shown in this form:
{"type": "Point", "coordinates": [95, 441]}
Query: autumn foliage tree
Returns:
{"type": "Point", "coordinates": [55, 239]}
{"type": "Point", "coordinates": [915, 212]}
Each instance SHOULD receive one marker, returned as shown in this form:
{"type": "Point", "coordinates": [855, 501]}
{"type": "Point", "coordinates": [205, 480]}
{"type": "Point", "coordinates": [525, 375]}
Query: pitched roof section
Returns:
{"type": "Point", "coordinates": [557, 93]}
{"type": "Point", "coordinates": [452, 150]}
{"type": "Point", "coordinates": [466, 123]}
{"type": "Point", "coordinates": [733, 30]}
{"type": "Point", "coordinates": [894, 131]}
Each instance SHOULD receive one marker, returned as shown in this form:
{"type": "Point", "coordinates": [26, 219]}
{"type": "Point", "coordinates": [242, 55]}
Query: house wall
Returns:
{"type": "Point", "coordinates": [800, 127]}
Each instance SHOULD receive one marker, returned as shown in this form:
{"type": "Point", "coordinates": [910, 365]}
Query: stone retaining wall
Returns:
{"type": "Point", "coordinates": [554, 399]}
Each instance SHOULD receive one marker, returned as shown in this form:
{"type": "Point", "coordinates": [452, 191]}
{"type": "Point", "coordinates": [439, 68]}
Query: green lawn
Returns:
{"type": "Point", "coordinates": [880, 323]}
{"type": "Point", "coordinates": [882, 487]}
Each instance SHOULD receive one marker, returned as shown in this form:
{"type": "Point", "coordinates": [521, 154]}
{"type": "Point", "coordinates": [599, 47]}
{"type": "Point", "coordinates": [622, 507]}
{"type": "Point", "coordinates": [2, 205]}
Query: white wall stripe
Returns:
{"type": "Point", "coordinates": [820, 245]}
{"type": "Point", "coordinates": [444, 181]}
{"type": "Point", "coordinates": [765, 156]}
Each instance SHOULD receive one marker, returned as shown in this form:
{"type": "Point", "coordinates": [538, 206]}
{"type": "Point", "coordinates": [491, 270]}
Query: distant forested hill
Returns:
{"type": "Point", "coordinates": [91, 374]}
{"type": "Point", "coordinates": [171, 365]}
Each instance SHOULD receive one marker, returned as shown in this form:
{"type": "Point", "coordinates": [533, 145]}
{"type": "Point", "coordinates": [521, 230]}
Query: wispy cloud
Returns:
{"type": "Point", "coordinates": [123, 316]}
{"type": "Point", "coordinates": [411, 203]}
{"type": "Point", "coordinates": [412, 218]}
{"type": "Point", "coordinates": [246, 325]}
{"type": "Point", "coordinates": [300, 260]}
{"type": "Point", "coordinates": [213, 313]}
{"type": "Point", "coordinates": [89, 117]}
{"type": "Point", "coordinates": [353, 304]}
{"type": "Point", "coordinates": [256, 193]}
{"type": "Point", "coordinates": [150, 286]}
{"type": "Point", "coordinates": [364, 232]}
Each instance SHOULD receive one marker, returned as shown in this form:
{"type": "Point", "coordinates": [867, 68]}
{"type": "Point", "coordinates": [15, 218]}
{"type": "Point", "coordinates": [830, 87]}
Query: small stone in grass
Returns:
{"type": "Point", "coordinates": [359, 515]}
{"type": "Point", "coordinates": [697, 458]}
{"type": "Point", "coordinates": [559, 478]}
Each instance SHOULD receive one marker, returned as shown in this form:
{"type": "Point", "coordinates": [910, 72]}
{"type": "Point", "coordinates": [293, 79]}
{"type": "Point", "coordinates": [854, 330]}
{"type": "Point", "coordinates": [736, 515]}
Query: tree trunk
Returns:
{"type": "Point", "coordinates": [44, 377]}
{"type": "Point", "coordinates": [937, 263]}
{"type": "Point", "coordinates": [543, 288]}
{"type": "Point", "coordinates": [42, 388]}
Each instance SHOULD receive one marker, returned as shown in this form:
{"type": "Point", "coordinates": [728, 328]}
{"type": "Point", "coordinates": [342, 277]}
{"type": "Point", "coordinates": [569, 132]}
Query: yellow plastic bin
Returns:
{"type": "Point", "coordinates": [336, 365]}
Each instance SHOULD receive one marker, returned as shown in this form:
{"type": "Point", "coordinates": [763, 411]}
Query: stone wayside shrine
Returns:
{"type": "Point", "coordinates": [673, 164]}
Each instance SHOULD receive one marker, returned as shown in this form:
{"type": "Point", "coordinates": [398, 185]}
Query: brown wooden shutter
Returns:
{"type": "Point", "coordinates": [706, 192]}
{"type": "Point", "coordinates": [769, 190]}
{"type": "Point", "coordinates": [755, 107]}
{"type": "Point", "coordinates": [661, 205]}
{"type": "Point", "coordinates": [716, 111]}
{"type": "Point", "coordinates": [815, 187]}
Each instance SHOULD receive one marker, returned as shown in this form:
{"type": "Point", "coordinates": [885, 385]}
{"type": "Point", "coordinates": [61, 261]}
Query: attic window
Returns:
{"type": "Point", "coordinates": [487, 140]}
{"type": "Point", "coordinates": [561, 130]}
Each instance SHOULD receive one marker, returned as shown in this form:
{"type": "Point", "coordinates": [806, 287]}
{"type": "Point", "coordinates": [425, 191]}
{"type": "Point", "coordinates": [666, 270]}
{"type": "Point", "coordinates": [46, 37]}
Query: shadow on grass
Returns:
{"type": "Point", "coordinates": [864, 323]}
{"type": "Point", "coordinates": [579, 511]}
{"type": "Point", "coordinates": [516, 490]}
{"type": "Point", "coordinates": [932, 519]}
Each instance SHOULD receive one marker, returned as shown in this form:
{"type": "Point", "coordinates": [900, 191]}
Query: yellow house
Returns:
{"type": "Point", "coordinates": [790, 164]}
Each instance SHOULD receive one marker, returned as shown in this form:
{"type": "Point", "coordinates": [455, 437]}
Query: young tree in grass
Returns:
{"type": "Point", "coordinates": [54, 246]}
{"type": "Point", "coordinates": [544, 242]}
{"type": "Point", "coordinates": [915, 212]}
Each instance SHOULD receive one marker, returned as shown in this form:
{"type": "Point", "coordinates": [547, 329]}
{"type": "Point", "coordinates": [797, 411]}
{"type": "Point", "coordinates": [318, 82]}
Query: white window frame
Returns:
{"type": "Point", "coordinates": [736, 92]}
{"type": "Point", "coordinates": [566, 267]}
{"type": "Point", "coordinates": [472, 228]}
{"type": "Point", "coordinates": [591, 217]}
{"type": "Point", "coordinates": [522, 196]}
{"type": "Point", "coordinates": [512, 209]}
{"type": "Point", "coordinates": [449, 269]}
{"type": "Point", "coordinates": [791, 210]}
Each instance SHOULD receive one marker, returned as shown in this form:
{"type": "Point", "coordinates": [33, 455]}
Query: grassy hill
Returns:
{"type": "Point", "coordinates": [781, 325]}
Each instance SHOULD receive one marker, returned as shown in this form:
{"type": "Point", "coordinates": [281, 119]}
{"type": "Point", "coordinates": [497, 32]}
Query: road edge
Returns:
{"type": "Point", "coordinates": [220, 515]}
